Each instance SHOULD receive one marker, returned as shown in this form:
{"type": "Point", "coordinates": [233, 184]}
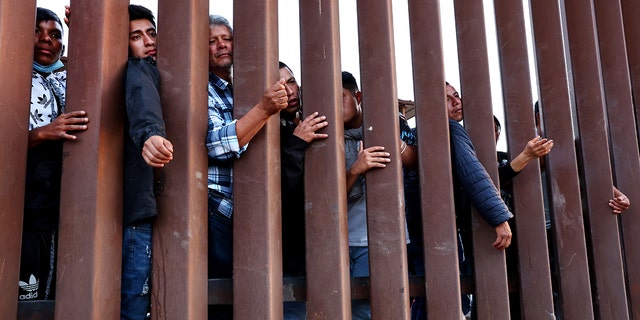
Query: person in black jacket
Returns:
{"type": "Point", "coordinates": [295, 136]}
{"type": "Point", "coordinates": [146, 151]}
{"type": "Point", "coordinates": [535, 148]}
{"type": "Point", "coordinates": [508, 169]}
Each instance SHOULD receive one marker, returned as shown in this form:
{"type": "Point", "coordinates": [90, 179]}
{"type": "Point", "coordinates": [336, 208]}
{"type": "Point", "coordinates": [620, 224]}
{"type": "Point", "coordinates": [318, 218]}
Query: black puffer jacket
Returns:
{"type": "Point", "coordinates": [144, 119]}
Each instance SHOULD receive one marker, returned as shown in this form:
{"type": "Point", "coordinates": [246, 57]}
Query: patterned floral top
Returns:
{"type": "Point", "coordinates": [47, 98]}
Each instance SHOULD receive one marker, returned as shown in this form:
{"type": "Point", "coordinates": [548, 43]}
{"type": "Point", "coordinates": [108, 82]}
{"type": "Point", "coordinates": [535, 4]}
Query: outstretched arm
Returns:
{"type": "Point", "coordinates": [157, 151]}
{"type": "Point", "coordinates": [273, 100]}
{"type": "Point", "coordinates": [144, 113]}
{"type": "Point", "coordinates": [477, 184]}
{"type": "Point", "coordinates": [534, 149]}
{"type": "Point", "coordinates": [228, 138]}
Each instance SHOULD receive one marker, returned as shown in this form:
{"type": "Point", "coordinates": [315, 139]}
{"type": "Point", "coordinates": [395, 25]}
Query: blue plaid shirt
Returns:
{"type": "Point", "coordinates": [222, 145]}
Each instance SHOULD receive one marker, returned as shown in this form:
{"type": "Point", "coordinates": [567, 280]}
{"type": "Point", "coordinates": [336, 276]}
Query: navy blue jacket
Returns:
{"type": "Point", "coordinates": [144, 119]}
{"type": "Point", "coordinates": [472, 182]}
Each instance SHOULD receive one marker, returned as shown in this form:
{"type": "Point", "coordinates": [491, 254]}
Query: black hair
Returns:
{"type": "Point", "coordinates": [137, 12]}
{"type": "Point", "coordinates": [43, 14]}
{"type": "Point", "coordinates": [349, 82]}
{"type": "Point", "coordinates": [496, 123]}
{"type": "Point", "coordinates": [284, 65]}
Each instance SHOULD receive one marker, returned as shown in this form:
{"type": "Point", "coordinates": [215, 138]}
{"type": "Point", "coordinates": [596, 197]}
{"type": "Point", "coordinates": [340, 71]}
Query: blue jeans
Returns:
{"type": "Point", "coordinates": [416, 267]}
{"type": "Point", "coordinates": [220, 246]}
{"type": "Point", "coordinates": [136, 271]}
{"type": "Point", "coordinates": [295, 310]}
{"type": "Point", "coordinates": [220, 256]}
{"type": "Point", "coordinates": [359, 267]}
{"type": "Point", "coordinates": [419, 305]}
{"type": "Point", "coordinates": [415, 257]}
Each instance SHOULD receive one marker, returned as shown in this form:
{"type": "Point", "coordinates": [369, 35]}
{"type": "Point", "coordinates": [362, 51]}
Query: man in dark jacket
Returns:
{"type": "Point", "coordinates": [471, 181]}
{"type": "Point", "coordinates": [295, 136]}
{"type": "Point", "coordinates": [146, 150]}
{"type": "Point", "coordinates": [472, 186]}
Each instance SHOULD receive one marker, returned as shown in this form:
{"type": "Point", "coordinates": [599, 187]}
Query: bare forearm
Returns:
{"type": "Point", "coordinates": [409, 157]}
{"type": "Point", "coordinates": [520, 162]}
{"type": "Point", "coordinates": [617, 193]}
{"type": "Point", "coordinates": [250, 124]}
{"type": "Point", "coordinates": [351, 179]}
{"type": "Point", "coordinates": [274, 100]}
{"type": "Point", "coordinates": [535, 148]}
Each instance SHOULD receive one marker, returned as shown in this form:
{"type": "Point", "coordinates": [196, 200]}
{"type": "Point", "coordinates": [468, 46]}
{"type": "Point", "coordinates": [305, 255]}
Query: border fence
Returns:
{"type": "Point", "coordinates": [588, 67]}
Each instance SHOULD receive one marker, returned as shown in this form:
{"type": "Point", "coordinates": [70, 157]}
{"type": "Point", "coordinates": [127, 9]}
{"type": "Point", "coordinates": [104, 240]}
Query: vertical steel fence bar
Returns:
{"type": "Point", "coordinates": [631, 12]}
{"type": "Point", "coordinates": [442, 276]}
{"type": "Point", "coordinates": [90, 232]}
{"type": "Point", "coordinates": [328, 294]}
{"type": "Point", "coordinates": [610, 293]}
{"type": "Point", "coordinates": [535, 280]}
{"type": "Point", "coordinates": [622, 131]}
{"type": "Point", "coordinates": [561, 163]}
{"type": "Point", "coordinates": [257, 262]}
{"type": "Point", "coordinates": [489, 263]}
{"type": "Point", "coordinates": [385, 212]}
{"type": "Point", "coordinates": [90, 224]}
{"type": "Point", "coordinates": [179, 289]}
{"type": "Point", "coordinates": [17, 20]}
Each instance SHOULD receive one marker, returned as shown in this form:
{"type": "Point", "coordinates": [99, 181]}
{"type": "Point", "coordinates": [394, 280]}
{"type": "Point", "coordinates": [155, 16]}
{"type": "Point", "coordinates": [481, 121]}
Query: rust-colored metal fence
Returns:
{"type": "Point", "coordinates": [588, 68]}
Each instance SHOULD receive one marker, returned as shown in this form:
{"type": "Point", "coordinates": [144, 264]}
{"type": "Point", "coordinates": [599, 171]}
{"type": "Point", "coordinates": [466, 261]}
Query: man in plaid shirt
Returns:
{"type": "Point", "coordinates": [227, 138]}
